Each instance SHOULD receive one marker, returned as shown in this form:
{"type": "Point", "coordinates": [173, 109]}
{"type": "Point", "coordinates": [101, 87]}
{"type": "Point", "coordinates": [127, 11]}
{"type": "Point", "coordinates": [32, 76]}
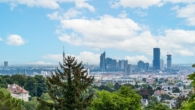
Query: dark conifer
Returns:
{"type": "Point", "coordinates": [66, 86]}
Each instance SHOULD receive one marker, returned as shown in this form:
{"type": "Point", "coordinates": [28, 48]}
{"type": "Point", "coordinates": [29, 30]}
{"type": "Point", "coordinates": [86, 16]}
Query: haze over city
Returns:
{"type": "Point", "coordinates": [34, 32]}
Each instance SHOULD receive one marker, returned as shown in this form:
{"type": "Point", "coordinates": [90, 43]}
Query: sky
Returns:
{"type": "Point", "coordinates": [35, 31]}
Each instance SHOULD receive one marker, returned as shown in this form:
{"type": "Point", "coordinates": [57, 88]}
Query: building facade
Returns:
{"type": "Point", "coordinates": [128, 69]}
{"type": "Point", "coordinates": [156, 58]}
{"type": "Point", "coordinates": [169, 61]}
{"type": "Point", "coordinates": [18, 92]}
{"type": "Point", "coordinates": [5, 64]}
{"type": "Point", "coordinates": [103, 62]}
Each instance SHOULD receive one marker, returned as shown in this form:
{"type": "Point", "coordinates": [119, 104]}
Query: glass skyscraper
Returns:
{"type": "Point", "coordinates": [103, 62]}
{"type": "Point", "coordinates": [156, 58]}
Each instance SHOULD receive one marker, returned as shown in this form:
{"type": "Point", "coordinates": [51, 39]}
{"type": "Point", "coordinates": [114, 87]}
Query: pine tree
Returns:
{"type": "Point", "coordinates": [67, 85]}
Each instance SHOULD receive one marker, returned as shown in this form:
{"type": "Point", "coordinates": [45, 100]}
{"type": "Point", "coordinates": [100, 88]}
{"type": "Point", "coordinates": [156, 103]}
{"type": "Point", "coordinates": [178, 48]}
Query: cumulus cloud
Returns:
{"type": "Point", "coordinates": [51, 4]}
{"type": "Point", "coordinates": [187, 12]}
{"type": "Point", "coordinates": [125, 34]}
{"type": "Point", "coordinates": [85, 57]}
{"type": "Point", "coordinates": [136, 3]}
{"type": "Point", "coordinates": [84, 4]}
{"type": "Point", "coordinates": [71, 13]}
{"type": "Point", "coordinates": [39, 63]}
{"type": "Point", "coordinates": [15, 39]}
{"type": "Point", "coordinates": [135, 59]}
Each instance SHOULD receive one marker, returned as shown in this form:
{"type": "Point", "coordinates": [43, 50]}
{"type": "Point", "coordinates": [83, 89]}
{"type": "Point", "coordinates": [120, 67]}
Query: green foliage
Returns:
{"type": "Point", "coordinates": [9, 103]}
{"type": "Point", "coordinates": [124, 99]}
{"type": "Point", "coordinates": [103, 87]}
{"type": "Point", "coordinates": [190, 104]}
{"type": "Point", "coordinates": [165, 97]}
{"type": "Point", "coordinates": [18, 79]}
{"type": "Point", "coordinates": [144, 79]}
{"type": "Point", "coordinates": [179, 100]}
{"type": "Point", "coordinates": [41, 85]}
{"type": "Point", "coordinates": [116, 86]}
{"type": "Point", "coordinates": [31, 86]}
{"type": "Point", "coordinates": [176, 90]}
{"type": "Point", "coordinates": [66, 87]}
{"type": "Point", "coordinates": [146, 91]}
{"type": "Point", "coordinates": [32, 104]}
{"type": "Point", "coordinates": [153, 101]}
{"type": "Point", "coordinates": [161, 107]}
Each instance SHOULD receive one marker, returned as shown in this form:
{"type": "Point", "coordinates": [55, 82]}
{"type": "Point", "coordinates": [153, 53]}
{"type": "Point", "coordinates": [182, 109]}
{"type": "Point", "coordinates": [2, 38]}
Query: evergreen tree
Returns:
{"type": "Point", "coordinates": [67, 85]}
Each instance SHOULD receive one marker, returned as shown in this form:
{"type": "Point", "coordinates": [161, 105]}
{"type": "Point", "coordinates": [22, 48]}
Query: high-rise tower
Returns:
{"type": "Point", "coordinates": [169, 61]}
{"type": "Point", "coordinates": [63, 53]}
{"type": "Point", "coordinates": [156, 58]}
{"type": "Point", "coordinates": [103, 62]}
{"type": "Point", "coordinates": [5, 64]}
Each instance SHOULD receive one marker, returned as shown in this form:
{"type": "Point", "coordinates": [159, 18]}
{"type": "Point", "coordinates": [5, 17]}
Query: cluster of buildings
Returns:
{"type": "Point", "coordinates": [109, 64]}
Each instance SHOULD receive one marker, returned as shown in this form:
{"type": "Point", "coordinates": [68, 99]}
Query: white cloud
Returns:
{"type": "Point", "coordinates": [39, 63]}
{"type": "Point", "coordinates": [1, 39]}
{"type": "Point", "coordinates": [136, 3]}
{"type": "Point", "coordinates": [86, 57]}
{"type": "Point", "coordinates": [51, 4]}
{"type": "Point", "coordinates": [84, 4]}
{"type": "Point", "coordinates": [187, 12]}
{"type": "Point", "coordinates": [33, 3]}
{"type": "Point", "coordinates": [71, 13]}
{"type": "Point", "coordinates": [15, 40]}
{"type": "Point", "coordinates": [125, 34]}
{"type": "Point", "coordinates": [135, 59]}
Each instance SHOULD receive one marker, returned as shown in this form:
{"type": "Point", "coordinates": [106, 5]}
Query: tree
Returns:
{"type": "Point", "coordinates": [31, 86]}
{"type": "Point", "coordinates": [144, 79]}
{"type": "Point", "coordinates": [190, 104]}
{"type": "Point", "coordinates": [153, 101]}
{"type": "Point", "coordinates": [116, 86]}
{"type": "Point", "coordinates": [67, 85]}
{"type": "Point", "coordinates": [9, 103]}
{"type": "Point", "coordinates": [179, 101]}
{"type": "Point", "coordinates": [32, 104]}
{"type": "Point", "coordinates": [18, 79]}
{"type": "Point", "coordinates": [124, 99]}
{"type": "Point", "coordinates": [41, 85]}
{"type": "Point", "coordinates": [165, 97]}
{"type": "Point", "coordinates": [176, 90]}
{"type": "Point", "coordinates": [160, 107]}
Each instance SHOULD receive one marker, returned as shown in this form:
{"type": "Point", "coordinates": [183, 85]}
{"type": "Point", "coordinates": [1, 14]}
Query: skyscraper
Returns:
{"type": "Point", "coordinates": [169, 61]}
{"type": "Point", "coordinates": [128, 69]}
{"type": "Point", "coordinates": [5, 64]}
{"type": "Point", "coordinates": [103, 62]}
{"type": "Point", "coordinates": [122, 63]}
{"type": "Point", "coordinates": [156, 58]}
{"type": "Point", "coordinates": [161, 64]}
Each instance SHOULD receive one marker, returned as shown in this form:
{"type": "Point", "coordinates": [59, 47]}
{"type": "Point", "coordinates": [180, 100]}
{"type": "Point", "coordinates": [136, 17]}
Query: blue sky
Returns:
{"type": "Point", "coordinates": [35, 31]}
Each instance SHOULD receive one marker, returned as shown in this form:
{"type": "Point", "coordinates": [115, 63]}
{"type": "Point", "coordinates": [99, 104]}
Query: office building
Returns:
{"type": "Point", "coordinates": [128, 69]}
{"type": "Point", "coordinates": [169, 61]}
{"type": "Point", "coordinates": [146, 66]}
{"type": "Point", "coordinates": [161, 64]}
{"type": "Point", "coordinates": [5, 64]}
{"type": "Point", "coordinates": [156, 58]}
{"type": "Point", "coordinates": [122, 63]}
{"type": "Point", "coordinates": [103, 62]}
{"type": "Point", "coordinates": [140, 65]}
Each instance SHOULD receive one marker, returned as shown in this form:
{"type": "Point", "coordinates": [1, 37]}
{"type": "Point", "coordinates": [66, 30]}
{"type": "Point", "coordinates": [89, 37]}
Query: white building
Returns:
{"type": "Point", "coordinates": [18, 92]}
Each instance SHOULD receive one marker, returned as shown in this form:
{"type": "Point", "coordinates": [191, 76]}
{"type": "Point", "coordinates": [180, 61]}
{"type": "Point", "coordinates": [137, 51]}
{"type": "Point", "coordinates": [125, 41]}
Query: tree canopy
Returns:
{"type": "Point", "coordinates": [67, 85]}
{"type": "Point", "coordinates": [124, 99]}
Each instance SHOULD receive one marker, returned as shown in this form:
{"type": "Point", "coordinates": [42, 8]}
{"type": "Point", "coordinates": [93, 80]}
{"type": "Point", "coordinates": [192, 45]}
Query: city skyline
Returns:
{"type": "Point", "coordinates": [34, 32]}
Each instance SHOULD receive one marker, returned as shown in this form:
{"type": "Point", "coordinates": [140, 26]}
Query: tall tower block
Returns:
{"type": "Point", "coordinates": [156, 58]}
{"type": "Point", "coordinates": [169, 61]}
